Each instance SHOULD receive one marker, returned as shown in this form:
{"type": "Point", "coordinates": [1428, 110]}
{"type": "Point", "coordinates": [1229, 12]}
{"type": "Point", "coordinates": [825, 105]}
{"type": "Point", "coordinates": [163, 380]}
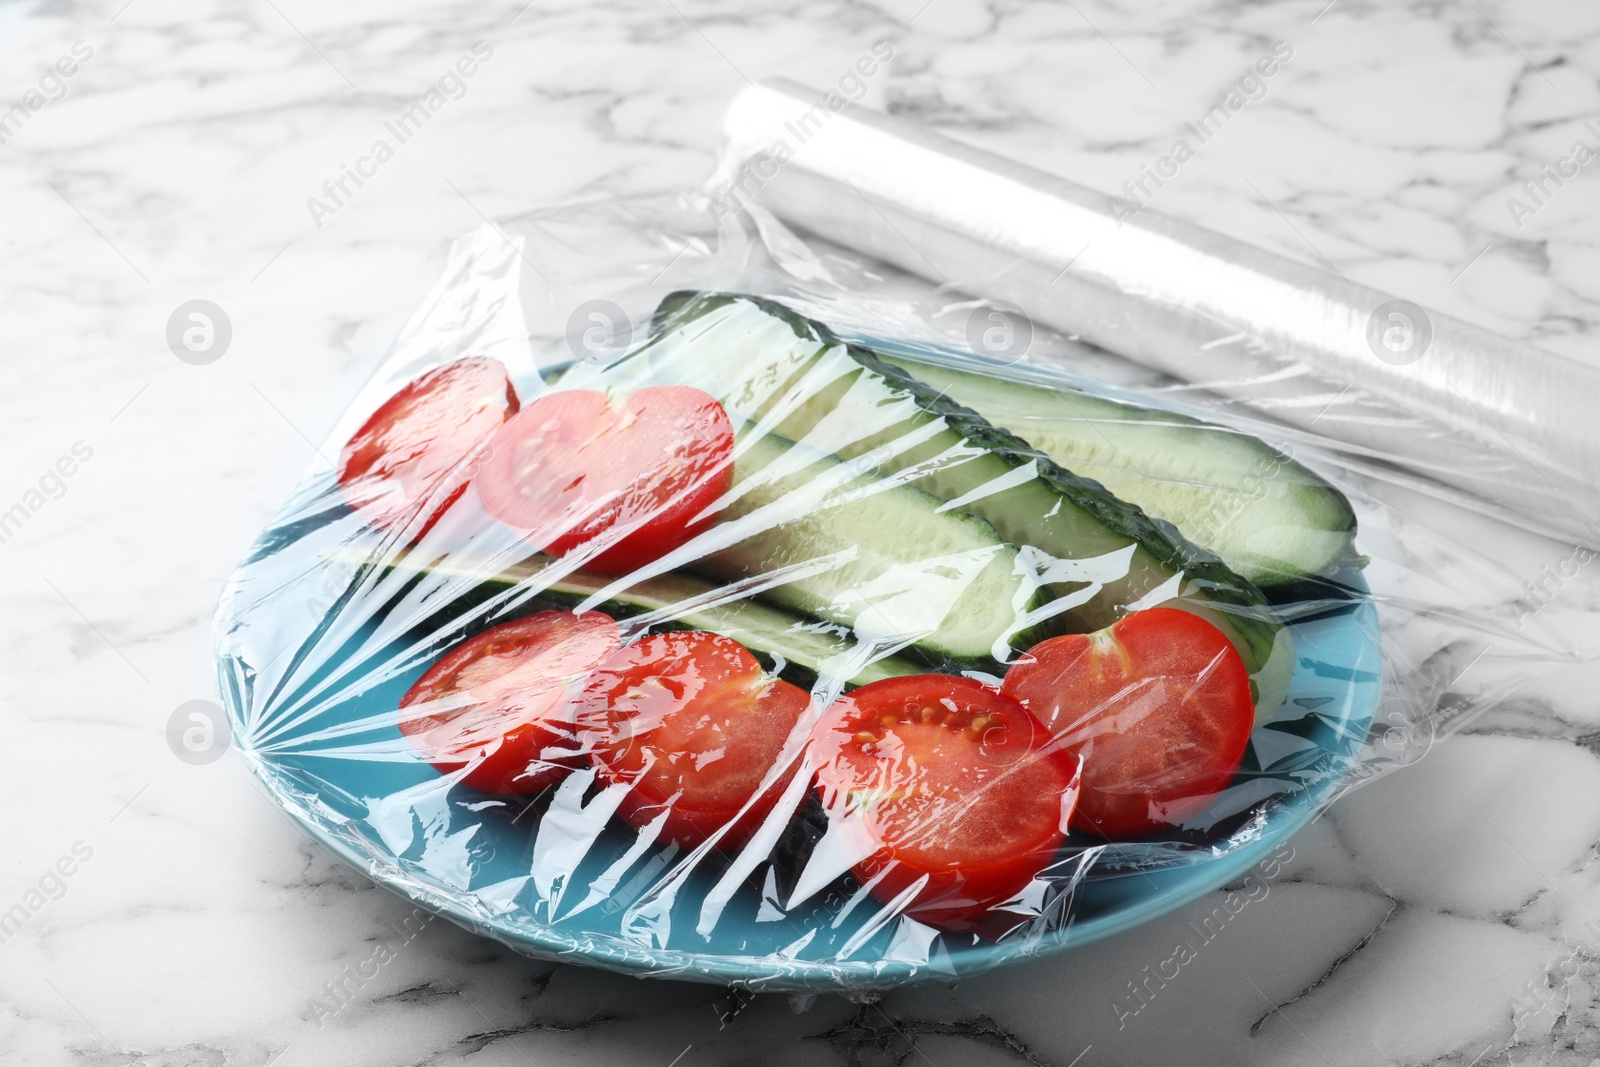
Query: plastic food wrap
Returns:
{"type": "Point", "coordinates": [1500, 419]}
{"type": "Point", "coordinates": [695, 600]}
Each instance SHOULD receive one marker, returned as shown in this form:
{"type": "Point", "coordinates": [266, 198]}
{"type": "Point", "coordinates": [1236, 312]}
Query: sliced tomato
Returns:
{"type": "Point", "coordinates": [691, 722]}
{"type": "Point", "coordinates": [633, 476]}
{"type": "Point", "coordinates": [956, 784]}
{"type": "Point", "coordinates": [503, 703]}
{"type": "Point", "coordinates": [411, 451]}
{"type": "Point", "coordinates": [1157, 705]}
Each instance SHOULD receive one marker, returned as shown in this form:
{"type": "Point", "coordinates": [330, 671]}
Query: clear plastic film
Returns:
{"type": "Point", "coordinates": [1475, 414]}
{"type": "Point", "coordinates": [690, 598]}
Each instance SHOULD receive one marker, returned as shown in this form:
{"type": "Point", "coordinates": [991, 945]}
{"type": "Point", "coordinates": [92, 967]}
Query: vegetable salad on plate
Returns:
{"type": "Point", "coordinates": [885, 626]}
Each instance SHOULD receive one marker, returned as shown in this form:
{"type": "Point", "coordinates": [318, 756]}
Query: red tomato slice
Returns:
{"type": "Point", "coordinates": [694, 724]}
{"type": "Point", "coordinates": [639, 470]}
{"type": "Point", "coordinates": [954, 782]}
{"type": "Point", "coordinates": [1157, 705]}
{"type": "Point", "coordinates": [503, 702]}
{"type": "Point", "coordinates": [419, 438]}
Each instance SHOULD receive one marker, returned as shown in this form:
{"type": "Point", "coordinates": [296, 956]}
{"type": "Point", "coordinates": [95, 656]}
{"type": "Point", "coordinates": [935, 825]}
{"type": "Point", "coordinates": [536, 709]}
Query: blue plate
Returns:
{"type": "Point", "coordinates": [567, 883]}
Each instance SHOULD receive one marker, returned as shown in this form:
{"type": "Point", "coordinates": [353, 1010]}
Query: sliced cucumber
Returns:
{"type": "Point", "coordinates": [1266, 516]}
{"type": "Point", "coordinates": [675, 602]}
{"type": "Point", "coordinates": [1099, 555]}
{"type": "Point", "coordinates": [895, 564]}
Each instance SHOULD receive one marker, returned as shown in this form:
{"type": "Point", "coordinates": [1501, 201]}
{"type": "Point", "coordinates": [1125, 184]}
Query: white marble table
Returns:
{"type": "Point", "coordinates": [170, 916]}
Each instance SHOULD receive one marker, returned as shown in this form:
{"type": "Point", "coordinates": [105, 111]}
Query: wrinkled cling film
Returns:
{"type": "Point", "coordinates": [332, 619]}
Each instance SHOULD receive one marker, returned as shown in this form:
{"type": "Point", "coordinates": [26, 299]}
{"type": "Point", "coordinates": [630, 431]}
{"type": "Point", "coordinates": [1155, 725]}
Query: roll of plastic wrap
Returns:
{"type": "Point", "coordinates": [1505, 421]}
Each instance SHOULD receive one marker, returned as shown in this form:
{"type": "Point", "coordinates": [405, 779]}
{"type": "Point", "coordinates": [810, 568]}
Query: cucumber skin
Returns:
{"type": "Point", "coordinates": [1253, 622]}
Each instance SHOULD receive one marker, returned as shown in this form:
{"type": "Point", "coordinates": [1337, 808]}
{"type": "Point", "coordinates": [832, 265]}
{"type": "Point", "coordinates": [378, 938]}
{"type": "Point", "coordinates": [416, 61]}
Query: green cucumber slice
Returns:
{"type": "Point", "coordinates": [895, 564]}
{"type": "Point", "coordinates": [1099, 555]}
{"type": "Point", "coordinates": [674, 601]}
{"type": "Point", "coordinates": [1268, 517]}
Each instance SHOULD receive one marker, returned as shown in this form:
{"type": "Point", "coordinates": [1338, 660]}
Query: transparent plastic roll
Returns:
{"type": "Point", "coordinates": [691, 599]}
{"type": "Point", "coordinates": [1496, 418]}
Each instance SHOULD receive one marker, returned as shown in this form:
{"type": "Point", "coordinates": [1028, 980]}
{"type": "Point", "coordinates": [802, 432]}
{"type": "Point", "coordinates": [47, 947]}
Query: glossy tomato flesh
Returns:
{"type": "Point", "coordinates": [503, 703]}
{"type": "Point", "coordinates": [631, 476]}
{"type": "Point", "coordinates": [410, 452]}
{"type": "Point", "coordinates": [1157, 705]}
{"type": "Point", "coordinates": [954, 782]}
{"type": "Point", "coordinates": [693, 724]}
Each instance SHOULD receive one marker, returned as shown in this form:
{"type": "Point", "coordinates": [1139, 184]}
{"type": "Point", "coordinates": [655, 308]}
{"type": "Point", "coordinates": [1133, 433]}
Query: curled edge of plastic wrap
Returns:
{"type": "Point", "coordinates": [830, 543]}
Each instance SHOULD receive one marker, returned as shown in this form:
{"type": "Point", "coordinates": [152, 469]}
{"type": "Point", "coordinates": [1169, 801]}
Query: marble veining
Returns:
{"type": "Point", "coordinates": [1446, 915]}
